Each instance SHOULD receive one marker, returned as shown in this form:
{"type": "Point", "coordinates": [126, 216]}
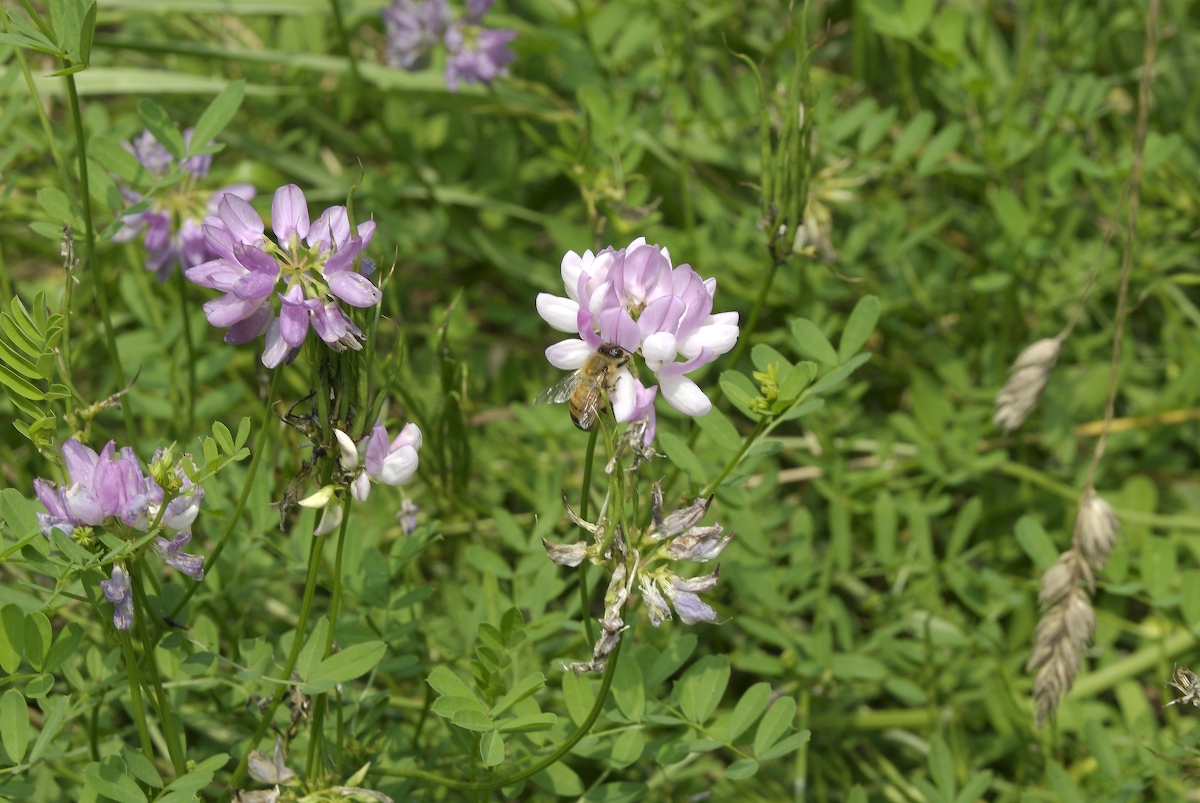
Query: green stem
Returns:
{"type": "Point", "coordinates": [339, 22]}
{"type": "Point", "coordinates": [141, 608]}
{"type": "Point", "coordinates": [135, 694]}
{"type": "Point", "coordinates": [310, 587]}
{"type": "Point", "coordinates": [89, 253]}
{"type": "Point", "coordinates": [585, 498]}
{"type": "Point", "coordinates": [574, 739]}
{"type": "Point", "coordinates": [750, 440]}
{"type": "Point", "coordinates": [189, 416]}
{"type": "Point", "coordinates": [1166, 522]}
{"type": "Point", "coordinates": [755, 312]}
{"type": "Point", "coordinates": [316, 735]}
{"type": "Point", "coordinates": [1135, 664]}
{"type": "Point", "coordinates": [260, 449]}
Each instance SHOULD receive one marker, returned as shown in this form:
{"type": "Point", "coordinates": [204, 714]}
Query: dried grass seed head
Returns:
{"type": "Point", "coordinates": [1096, 527]}
{"type": "Point", "coordinates": [1026, 380]}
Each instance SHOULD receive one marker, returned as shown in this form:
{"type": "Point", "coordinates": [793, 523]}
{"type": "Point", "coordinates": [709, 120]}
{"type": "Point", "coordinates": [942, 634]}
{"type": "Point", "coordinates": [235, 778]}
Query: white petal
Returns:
{"type": "Point", "coordinates": [349, 450]}
{"type": "Point", "coordinates": [571, 268]}
{"type": "Point", "coordinates": [360, 488]}
{"type": "Point", "coordinates": [710, 284]}
{"type": "Point", "coordinates": [719, 339]}
{"type": "Point", "coordinates": [561, 313]}
{"type": "Point", "coordinates": [624, 397]}
{"type": "Point", "coordinates": [723, 318]}
{"type": "Point", "coordinates": [399, 466]}
{"type": "Point", "coordinates": [684, 395]}
{"type": "Point", "coordinates": [659, 349]}
{"type": "Point", "coordinates": [319, 499]}
{"type": "Point", "coordinates": [331, 519]}
{"type": "Point", "coordinates": [569, 354]}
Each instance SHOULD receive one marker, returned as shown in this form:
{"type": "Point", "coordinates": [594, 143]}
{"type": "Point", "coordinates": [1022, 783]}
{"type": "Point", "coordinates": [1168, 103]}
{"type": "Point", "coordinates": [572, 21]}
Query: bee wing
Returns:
{"type": "Point", "coordinates": [560, 391]}
{"type": "Point", "coordinates": [591, 407]}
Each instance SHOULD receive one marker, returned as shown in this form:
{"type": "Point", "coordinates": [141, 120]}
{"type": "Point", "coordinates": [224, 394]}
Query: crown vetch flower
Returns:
{"type": "Point", "coordinates": [109, 490]}
{"type": "Point", "coordinates": [118, 591]}
{"type": "Point", "coordinates": [477, 55]}
{"type": "Point", "coordinates": [393, 462]}
{"type": "Point", "coordinates": [315, 262]}
{"type": "Point", "coordinates": [413, 30]}
{"type": "Point", "coordinates": [474, 54]}
{"type": "Point", "coordinates": [610, 293]}
{"type": "Point", "coordinates": [389, 461]}
{"type": "Point", "coordinates": [644, 559]}
{"type": "Point", "coordinates": [173, 235]}
{"type": "Point", "coordinates": [101, 486]}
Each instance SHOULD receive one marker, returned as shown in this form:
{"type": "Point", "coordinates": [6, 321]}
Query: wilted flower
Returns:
{"type": "Point", "coordinates": [171, 224]}
{"type": "Point", "coordinates": [273, 770]}
{"type": "Point", "coordinates": [118, 591]}
{"type": "Point", "coordinates": [315, 261]}
{"type": "Point", "coordinates": [1186, 681]}
{"type": "Point", "coordinates": [635, 299]}
{"type": "Point", "coordinates": [644, 558]}
{"type": "Point", "coordinates": [1025, 382]}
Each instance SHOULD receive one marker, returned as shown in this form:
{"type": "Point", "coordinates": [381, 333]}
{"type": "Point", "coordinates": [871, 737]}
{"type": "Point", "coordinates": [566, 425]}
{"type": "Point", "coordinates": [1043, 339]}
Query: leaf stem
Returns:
{"type": "Point", "coordinates": [310, 587]}
{"type": "Point", "coordinates": [585, 498]}
{"type": "Point", "coordinates": [100, 286]}
{"type": "Point", "coordinates": [260, 449]}
{"type": "Point", "coordinates": [141, 608]}
{"type": "Point", "coordinates": [189, 415]}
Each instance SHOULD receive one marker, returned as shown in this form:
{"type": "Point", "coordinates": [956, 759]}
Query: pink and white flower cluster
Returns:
{"type": "Point", "coordinates": [104, 489]}
{"type": "Point", "coordinates": [316, 262]}
{"type": "Point", "coordinates": [635, 299]}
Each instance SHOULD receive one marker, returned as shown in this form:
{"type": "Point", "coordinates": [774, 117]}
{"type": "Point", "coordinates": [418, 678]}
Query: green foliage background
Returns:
{"type": "Point", "coordinates": [967, 168]}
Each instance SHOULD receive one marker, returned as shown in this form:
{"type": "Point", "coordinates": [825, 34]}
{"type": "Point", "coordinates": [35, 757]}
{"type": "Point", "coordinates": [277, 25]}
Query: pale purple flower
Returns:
{"type": "Point", "coordinates": [393, 462]}
{"type": "Point", "coordinates": [670, 308]}
{"type": "Point", "coordinates": [118, 591]}
{"type": "Point", "coordinates": [413, 30]}
{"type": "Point", "coordinates": [172, 222]}
{"type": "Point", "coordinates": [173, 555]}
{"type": "Point", "coordinates": [101, 486]}
{"type": "Point", "coordinates": [476, 55]}
{"type": "Point", "coordinates": [407, 516]}
{"type": "Point", "coordinates": [682, 593]}
{"type": "Point", "coordinates": [103, 489]}
{"type": "Point", "coordinates": [643, 556]}
{"type": "Point", "coordinates": [316, 262]}
{"type": "Point", "coordinates": [476, 9]}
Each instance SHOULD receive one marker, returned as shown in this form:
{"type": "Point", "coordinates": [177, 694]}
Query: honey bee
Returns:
{"type": "Point", "coordinates": [585, 390]}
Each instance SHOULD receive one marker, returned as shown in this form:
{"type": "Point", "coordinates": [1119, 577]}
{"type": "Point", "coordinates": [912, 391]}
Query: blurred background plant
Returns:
{"type": "Point", "coordinates": [962, 164]}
